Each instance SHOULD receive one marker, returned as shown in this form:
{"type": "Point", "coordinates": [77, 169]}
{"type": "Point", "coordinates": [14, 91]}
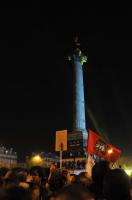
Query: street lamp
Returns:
{"type": "Point", "coordinates": [37, 159]}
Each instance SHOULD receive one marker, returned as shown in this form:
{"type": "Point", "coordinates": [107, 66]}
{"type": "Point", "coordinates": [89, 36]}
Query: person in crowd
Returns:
{"type": "Point", "coordinates": [38, 185]}
{"type": "Point", "coordinates": [15, 193]}
{"type": "Point", "coordinates": [3, 172]}
{"type": "Point", "coordinates": [75, 191]}
{"type": "Point", "coordinates": [35, 192]}
{"type": "Point", "coordinates": [84, 179]}
{"type": "Point", "coordinates": [117, 185]}
{"type": "Point", "coordinates": [44, 189]}
{"type": "Point", "coordinates": [56, 180]}
{"type": "Point", "coordinates": [71, 178]}
{"type": "Point", "coordinates": [16, 177]}
{"type": "Point", "coordinates": [98, 172]}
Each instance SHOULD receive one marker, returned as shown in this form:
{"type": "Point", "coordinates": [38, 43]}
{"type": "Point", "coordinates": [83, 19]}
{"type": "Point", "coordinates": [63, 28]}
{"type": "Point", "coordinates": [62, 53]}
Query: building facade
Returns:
{"type": "Point", "coordinates": [8, 157]}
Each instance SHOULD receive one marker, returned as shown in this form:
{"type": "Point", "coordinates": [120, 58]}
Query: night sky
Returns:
{"type": "Point", "coordinates": [36, 78]}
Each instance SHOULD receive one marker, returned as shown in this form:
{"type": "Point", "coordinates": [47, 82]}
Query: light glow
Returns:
{"type": "Point", "coordinates": [129, 172]}
{"type": "Point", "coordinates": [37, 159]}
{"type": "Point", "coordinates": [110, 151]}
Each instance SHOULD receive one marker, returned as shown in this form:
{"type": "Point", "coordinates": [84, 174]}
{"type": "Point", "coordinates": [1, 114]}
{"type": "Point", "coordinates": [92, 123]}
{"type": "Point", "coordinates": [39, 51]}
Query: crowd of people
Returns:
{"type": "Point", "coordinates": [52, 183]}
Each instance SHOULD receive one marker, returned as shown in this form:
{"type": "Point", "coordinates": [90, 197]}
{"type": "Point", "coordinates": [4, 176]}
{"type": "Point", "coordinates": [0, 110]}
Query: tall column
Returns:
{"type": "Point", "coordinates": [79, 122]}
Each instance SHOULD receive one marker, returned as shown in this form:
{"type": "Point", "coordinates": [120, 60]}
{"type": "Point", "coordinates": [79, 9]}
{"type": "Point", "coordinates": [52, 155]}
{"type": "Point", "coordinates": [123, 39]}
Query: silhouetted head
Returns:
{"type": "Point", "coordinates": [117, 185]}
{"type": "Point", "coordinates": [99, 170]}
{"type": "Point", "coordinates": [15, 193]}
{"type": "Point", "coordinates": [75, 191]}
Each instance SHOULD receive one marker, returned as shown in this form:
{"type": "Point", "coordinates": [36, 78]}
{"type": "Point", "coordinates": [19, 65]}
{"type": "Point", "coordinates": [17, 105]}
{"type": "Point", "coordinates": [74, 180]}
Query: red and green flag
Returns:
{"type": "Point", "coordinates": [98, 146]}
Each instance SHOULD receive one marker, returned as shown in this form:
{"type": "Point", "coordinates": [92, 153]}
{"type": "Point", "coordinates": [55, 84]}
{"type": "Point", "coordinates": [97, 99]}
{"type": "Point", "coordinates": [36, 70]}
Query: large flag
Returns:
{"type": "Point", "coordinates": [98, 146]}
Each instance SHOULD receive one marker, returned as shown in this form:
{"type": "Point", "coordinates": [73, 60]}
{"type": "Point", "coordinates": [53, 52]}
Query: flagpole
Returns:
{"type": "Point", "coordinates": [74, 161]}
{"type": "Point", "coordinates": [61, 151]}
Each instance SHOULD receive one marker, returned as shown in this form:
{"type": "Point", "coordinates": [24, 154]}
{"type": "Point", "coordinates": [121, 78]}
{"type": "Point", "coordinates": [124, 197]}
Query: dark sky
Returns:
{"type": "Point", "coordinates": [36, 78]}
